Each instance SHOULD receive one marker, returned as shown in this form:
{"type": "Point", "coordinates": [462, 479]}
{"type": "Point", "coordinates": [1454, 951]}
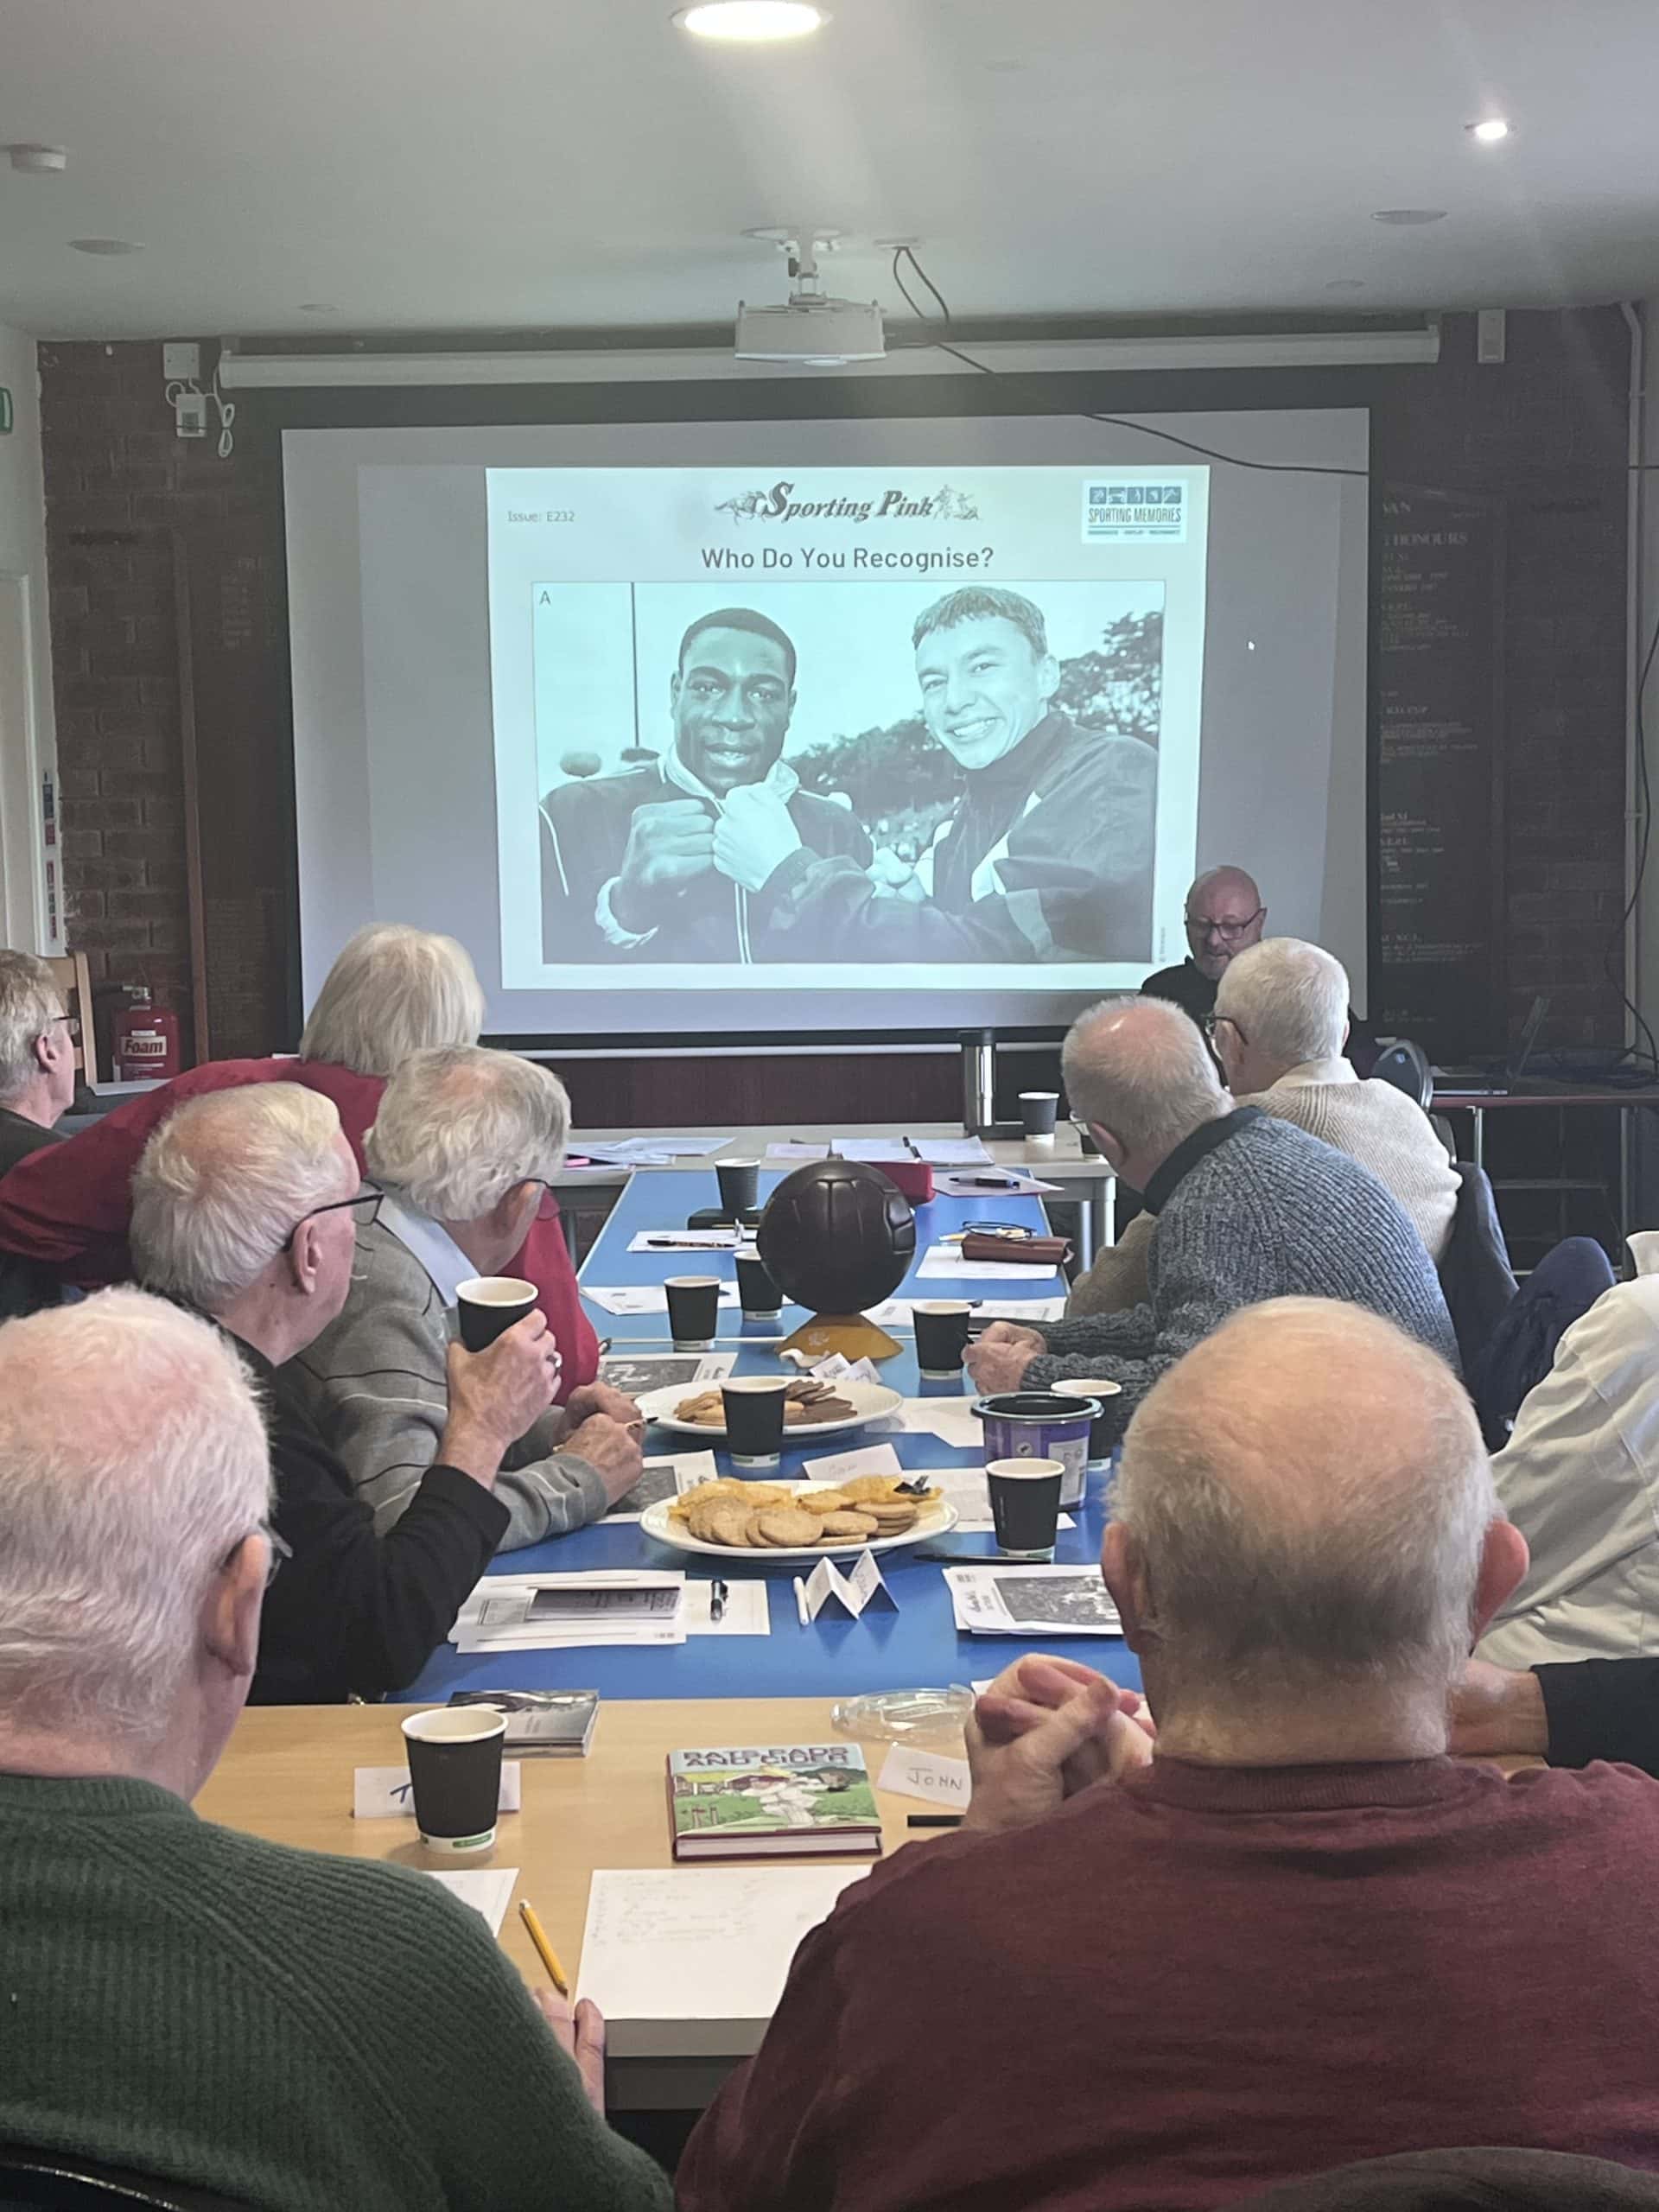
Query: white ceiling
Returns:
{"type": "Point", "coordinates": [479, 164]}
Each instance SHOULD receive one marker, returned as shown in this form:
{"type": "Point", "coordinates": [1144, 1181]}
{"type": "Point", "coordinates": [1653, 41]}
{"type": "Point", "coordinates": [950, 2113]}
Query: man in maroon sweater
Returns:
{"type": "Point", "coordinates": [1299, 1935]}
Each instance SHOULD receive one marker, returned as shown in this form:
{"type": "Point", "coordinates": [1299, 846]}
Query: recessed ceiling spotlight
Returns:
{"type": "Point", "coordinates": [752, 23]}
{"type": "Point", "coordinates": [1490, 131]}
{"type": "Point", "coordinates": [106, 248]}
{"type": "Point", "coordinates": [1345, 285]}
{"type": "Point", "coordinates": [1405, 218]}
{"type": "Point", "coordinates": [38, 161]}
{"type": "Point", "coordinates": [318, 307]}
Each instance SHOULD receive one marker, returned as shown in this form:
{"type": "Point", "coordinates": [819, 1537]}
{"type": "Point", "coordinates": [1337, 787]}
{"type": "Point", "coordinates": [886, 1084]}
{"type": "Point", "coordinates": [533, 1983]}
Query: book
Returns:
{"type": "Point", "coordinates": [765, 1800]}
{"type": "Point", "coordinates": [542, 1724]}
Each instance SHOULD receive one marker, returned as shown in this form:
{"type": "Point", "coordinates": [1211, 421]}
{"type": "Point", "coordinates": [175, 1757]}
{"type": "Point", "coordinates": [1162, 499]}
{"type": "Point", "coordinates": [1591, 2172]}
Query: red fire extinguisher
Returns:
{"type": "Point", "coordinates": [146, 1039]}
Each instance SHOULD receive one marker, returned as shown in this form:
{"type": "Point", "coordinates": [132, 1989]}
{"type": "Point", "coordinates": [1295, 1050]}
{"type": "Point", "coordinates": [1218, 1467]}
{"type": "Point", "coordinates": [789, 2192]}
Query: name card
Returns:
{"type": "Point", "coordinates": [384, 1793]}
{"type": "Point", "coordinates": [928, 1775]}
{"type": "Point", "coordinates": [844, 1597]}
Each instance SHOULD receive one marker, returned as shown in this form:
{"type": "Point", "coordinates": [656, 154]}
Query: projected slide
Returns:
{"type": "Point", "coordinates": [812, 725]}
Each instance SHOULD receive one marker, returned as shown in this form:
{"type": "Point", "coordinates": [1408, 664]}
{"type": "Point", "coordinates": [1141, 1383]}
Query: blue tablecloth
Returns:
{"type": "Point", "coordinates": [918, 1646]}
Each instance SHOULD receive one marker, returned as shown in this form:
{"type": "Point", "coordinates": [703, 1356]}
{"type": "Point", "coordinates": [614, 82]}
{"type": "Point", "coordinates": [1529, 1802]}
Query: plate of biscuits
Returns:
{"type": "Point", "coordinates": [796, 1521]}
{"type": "Point", "coordinates": [811, 1408]}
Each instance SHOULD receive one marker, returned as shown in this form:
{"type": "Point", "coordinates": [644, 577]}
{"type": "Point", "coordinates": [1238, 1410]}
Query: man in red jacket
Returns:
{"type": "Point", "coordinates": [394, 990]}
{"type": "Point", "coordinates": [1290, 1933]}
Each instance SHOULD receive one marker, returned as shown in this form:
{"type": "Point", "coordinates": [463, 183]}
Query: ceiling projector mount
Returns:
{"type": "Point", "coordinates": [812, 330]}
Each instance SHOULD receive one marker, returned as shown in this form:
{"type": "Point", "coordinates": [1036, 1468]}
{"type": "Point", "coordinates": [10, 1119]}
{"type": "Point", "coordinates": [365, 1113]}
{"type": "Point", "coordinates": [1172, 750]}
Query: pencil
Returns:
{"type": "Point", "coordinates": [549, 1955]}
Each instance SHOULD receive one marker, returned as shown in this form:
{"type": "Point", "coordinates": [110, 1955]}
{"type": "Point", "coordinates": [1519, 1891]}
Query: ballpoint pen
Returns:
{"type": "Point", "coordinates": [717, 1595]}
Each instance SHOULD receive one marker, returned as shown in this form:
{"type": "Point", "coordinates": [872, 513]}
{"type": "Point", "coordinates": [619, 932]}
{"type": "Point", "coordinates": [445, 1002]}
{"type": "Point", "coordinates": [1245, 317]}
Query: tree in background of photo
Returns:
{"type": "Point", "coordinates": [1121, 687]}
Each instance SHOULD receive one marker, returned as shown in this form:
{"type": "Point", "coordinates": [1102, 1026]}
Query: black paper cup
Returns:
{"type": "Point", "coordinates": [693, 1304]}
{"type": "Point", "coordinates": [1102, 1430]}
{"type": "Point", "coordinates": [941, 1337]}
{"type": "Point", "coordinates": [454, 1772]}
{"type": "Point", "coordinates": [755, 1419]}
{"type": "Point", "coordinates": [489, 1305]}
{"type": "Point", "coordinates": [756, 1291]}
{"type": "Point", "coordinates": [1024, 1505]}
{"type": "Point", "coordinates": [740, 1185]}
{"type": "Point", "coordinates": [1038, 1110]}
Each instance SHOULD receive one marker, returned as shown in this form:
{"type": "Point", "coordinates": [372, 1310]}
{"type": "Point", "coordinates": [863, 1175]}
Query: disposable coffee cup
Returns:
{"type": "Point", "coordinates": [489, 1305]}
{"type": "Point", "coordinates": [740, 1185]}
{"type": "Point", "coordinates": [1024, 1505]}
{"type": "Point", "coordinates": [454, 1772]}
{"type": "Point", "coordinates": [693, 1303]}
{"type": "Point", "coordinates": [941, 1337]}
{"type": "Point", "coordinates": [1038, 1110]}
{"type": "Point", "coordinates": [755, 1419]}
{"type": "Point", "coordinates": [756, 1291]}
{"type": "Point", "coordinates": [1104, 1426]}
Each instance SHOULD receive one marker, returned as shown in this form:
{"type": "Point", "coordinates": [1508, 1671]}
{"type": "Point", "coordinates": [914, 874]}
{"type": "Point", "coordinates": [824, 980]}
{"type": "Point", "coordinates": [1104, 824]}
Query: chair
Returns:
{"type": "Point", "coordinates": [1466, 2181]}
{"type": "Point", "coordinates": [1561, 1290]}
{"type": "Point", "coordinates": [1406, 1066]}
{"type": "Point", "coordinates": [50, 2181]}
{"type": "Point", "coordinates": [1475, 1275]}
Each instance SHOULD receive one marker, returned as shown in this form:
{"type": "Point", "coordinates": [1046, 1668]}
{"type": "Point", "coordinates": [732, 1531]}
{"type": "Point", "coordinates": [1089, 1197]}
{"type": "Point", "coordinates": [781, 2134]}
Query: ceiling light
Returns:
{"type": "Point", "coordinates": [108, 247]}
{"type": "Point", "coordinates": [38, 161]}
{"type": "Point", "coordinates": [1405, 218]}
{"type": "Point", "coordinates": [318, 307]}
{"type": "Point", "coordinates": [1489, 132]}
{"type": "Point", "coordinates": [752, 23]}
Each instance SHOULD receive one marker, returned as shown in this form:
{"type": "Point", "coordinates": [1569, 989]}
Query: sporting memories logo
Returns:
{"type": "Point", "coordinates": [1130, 510]}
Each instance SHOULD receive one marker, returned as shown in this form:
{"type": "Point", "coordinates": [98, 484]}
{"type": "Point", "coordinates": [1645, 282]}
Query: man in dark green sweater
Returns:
{"type": "Point", "coordinates": [295, 2032]}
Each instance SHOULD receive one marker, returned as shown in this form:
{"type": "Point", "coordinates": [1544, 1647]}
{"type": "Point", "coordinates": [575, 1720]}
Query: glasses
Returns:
{"type": "Point", "coordinates": [71, 1022]}
{"type": "Point", "coordinates": [1212, 1022]}
{"type": "Point", "coordinates": [1228, 932]}
{"type": "Point", "coordinates": [280, 1550]}
{"type": "Point", "coordinates": [364, 1210]}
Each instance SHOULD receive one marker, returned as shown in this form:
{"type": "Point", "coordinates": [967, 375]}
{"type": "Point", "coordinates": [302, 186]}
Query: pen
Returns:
{"type": "Point", "coordinates": [549, 1957]}
{"type": "Point", "coordinates": [800, 1600]}
{"type": "Point", "coordinates": [933, 1821]}
{"type": "Point", "coordinates": [717, 1595]}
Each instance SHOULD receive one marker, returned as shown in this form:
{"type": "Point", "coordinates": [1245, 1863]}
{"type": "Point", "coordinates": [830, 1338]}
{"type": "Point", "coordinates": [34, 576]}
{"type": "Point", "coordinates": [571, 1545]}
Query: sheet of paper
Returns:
{"type": "Point", "coordinates": [671, 1477]}
{"type": "Point", "coordinates": [691, 1960]}
{"type": "Point", "coordinates": [953, 1152]}
{"type": "Point", "coordinates": [383, 1792]}
{"type": "Point", "coordinates": [1041, 1600]}
{"type": "Point", "coordinates": [1026, 1310]}
{"type": "Point", "coordinates": [841, 1466]}
{"type": "Point", "coordinates": [1009, 1184]}
{"type": "Point", "coordinates": [646, 1151]}
{"type": "Point", "coordinates": [793, 1154]}
{"type": "Point", "coordinates": [879, 1151]}
{"type": "Point", "coordinates": [636, 1372]}
{"type": "Point", "coordinates": [549, 1612]}
{"type": "Point", "coordinates": [683, 1240]}
{"type": "Point", "coordinates": [946, 1260]}
{"type": "Point", "coordinates": [953, 1419]}
{"type": "Point", "coordinates": [488, 1890]}
{"type": "Point", "coordinates": [828, 1589]}
{"type": "Point", "coordinates": [645, 1297]}
{"type": "Point", "coordinates": [746, 1610]}
{"type": "Point", "coordinates": [908, 1772]}
{"type": "Point", "coordinates": [965, 1488]}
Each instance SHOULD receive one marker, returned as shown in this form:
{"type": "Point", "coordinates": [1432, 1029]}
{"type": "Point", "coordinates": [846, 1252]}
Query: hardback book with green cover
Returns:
{"type": "Point", "coordinates": [759, 1801]}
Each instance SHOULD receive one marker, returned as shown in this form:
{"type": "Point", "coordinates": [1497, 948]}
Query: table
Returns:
{"type": "Point", "coordinates": [1062, 1161]}
{"type": "Point", "coordinates": [917, 1647]}
{"type": "Point", "coordinates": [1479, 1104]}
{"type": "Point", "coordinates": [287, 1775]}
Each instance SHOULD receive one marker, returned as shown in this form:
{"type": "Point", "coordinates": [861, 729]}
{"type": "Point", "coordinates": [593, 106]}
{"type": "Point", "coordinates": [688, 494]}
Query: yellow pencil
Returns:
{"type": "Point", "coordinates": [549, 1956]}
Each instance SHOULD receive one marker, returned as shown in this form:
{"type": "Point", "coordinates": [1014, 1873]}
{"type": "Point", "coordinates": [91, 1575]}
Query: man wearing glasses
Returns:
{"type": "Point", "coordinates": [37, 1058]}
{"type": "Point", "coordinates": [245, 1205]}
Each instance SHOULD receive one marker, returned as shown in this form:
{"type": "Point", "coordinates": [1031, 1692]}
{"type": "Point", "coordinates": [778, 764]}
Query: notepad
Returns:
{"type": "Point", "coordinates": [690, 1963]}
{"type": "Point", "coordinates": [488, 1890]}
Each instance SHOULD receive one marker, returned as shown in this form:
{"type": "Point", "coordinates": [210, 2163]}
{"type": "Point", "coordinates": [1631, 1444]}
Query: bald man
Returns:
{"type": "Point", "coordinates": [1249, 1208]}
{"type": "Point", "coordinates": [1286, 1936]}
{"type": "Point", "coordinates": [1226, 914]}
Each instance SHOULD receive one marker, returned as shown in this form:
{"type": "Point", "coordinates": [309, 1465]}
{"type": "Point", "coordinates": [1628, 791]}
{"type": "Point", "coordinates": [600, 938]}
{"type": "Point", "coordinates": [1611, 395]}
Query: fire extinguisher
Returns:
{"type": "Point", "coordinates": [146, 1039]}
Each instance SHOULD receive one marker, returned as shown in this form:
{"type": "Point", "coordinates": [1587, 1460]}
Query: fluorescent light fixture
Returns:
{"type": "Point", "coordinates": [106, 249]}
{"type": "Point", "coordinates": [1494, 128]}
{"type": "Point", "coordinates": [752, 23]}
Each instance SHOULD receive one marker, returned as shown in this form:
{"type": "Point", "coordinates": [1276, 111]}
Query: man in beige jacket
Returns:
{"type": "Point", "coordinates": [1278, 1029]}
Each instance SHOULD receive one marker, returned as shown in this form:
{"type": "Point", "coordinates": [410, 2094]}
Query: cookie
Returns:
{"type": "Point", "coordinates": [785, 1527]}
{"type": "Point", "coordinates": [731, 1524]}
{"type": "Point", "coordinates": [849, 1524]}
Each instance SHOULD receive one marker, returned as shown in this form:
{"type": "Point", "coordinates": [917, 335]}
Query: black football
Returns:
{"type": "Point", "coordinates": [837, 1236]}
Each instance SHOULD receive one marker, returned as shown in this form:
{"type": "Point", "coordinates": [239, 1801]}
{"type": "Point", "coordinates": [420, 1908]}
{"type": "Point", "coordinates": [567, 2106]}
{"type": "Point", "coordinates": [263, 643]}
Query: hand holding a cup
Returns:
{"type": "Point", "coordinates": [499, 1392]}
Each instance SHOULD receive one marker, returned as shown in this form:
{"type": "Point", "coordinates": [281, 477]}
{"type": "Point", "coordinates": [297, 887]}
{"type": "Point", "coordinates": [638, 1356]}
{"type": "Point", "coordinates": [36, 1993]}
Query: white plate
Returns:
{"type": "Point", "coordinates": [934, 1520]}
{"type": "Point", "coordinates": [870, 1401]}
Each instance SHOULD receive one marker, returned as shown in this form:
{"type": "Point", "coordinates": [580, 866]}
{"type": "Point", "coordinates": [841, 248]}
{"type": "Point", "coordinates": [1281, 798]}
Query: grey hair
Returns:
{"type": "Point", "coordinates": [394, 990]}
{"type": "Point", "coordinates": [1148, 1079]}
{"type": "Point", "coordinates": [133, 1461]}
{"type": "Point", "coordinates": [30, 1004]}
{"type": "Point", "coordinates": [1309, 1494]}
{"type": "Point", "coordinates": [458, 1127]}
{"type": "Point", "coordinates": [1288, 1000]}
{"type": "Point", "coordinates": [223, 1184]}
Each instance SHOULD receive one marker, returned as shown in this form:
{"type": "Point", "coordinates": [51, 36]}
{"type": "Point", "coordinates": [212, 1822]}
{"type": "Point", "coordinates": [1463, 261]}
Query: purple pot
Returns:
{"type": "Point", "coordinates": [1040, 1425]}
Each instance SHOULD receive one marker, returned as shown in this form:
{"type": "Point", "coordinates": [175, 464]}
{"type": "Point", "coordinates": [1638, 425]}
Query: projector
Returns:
{"type": "Point", "coordinates": [812, 331]}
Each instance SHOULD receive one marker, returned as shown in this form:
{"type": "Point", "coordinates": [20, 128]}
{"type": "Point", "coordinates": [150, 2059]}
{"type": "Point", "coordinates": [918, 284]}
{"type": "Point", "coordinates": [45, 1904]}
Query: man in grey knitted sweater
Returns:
{"type": "Point", "coordinates": [1249, 1208]}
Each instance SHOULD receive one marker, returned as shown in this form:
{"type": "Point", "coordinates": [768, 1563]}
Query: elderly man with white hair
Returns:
{"type": "Point", "coordinates": [1287, 1933]}
{"type": "Point", "coordinates": [1249, 1208]}
{"type": "Point", "coordinates": [392, 991]}
{"type": "Point", "coordinates": [196, 2007]}
{"type": "Point", "coordinates": [461, 1145]}
{"type": "Point", "coordinates": [1280, 1023]}
{"type": "Point", "coordinates": [37, 1058]}
{"type": "Point", "coordinates": [242, 1208]}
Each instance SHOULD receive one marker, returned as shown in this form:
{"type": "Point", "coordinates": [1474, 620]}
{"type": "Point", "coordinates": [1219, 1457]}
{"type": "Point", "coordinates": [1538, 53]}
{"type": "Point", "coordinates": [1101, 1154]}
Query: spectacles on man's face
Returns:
{"type": "Point", "coordinates": [280, 1550]}
{"type": "Point", "coordinates": [71, 1022]}
{"type": "Point", "coordinates": [1213, 1021]}
{"type": "Point", "coordinates": [364, 1210]}
{"type": "Point", "coordinates": [1228, 932]}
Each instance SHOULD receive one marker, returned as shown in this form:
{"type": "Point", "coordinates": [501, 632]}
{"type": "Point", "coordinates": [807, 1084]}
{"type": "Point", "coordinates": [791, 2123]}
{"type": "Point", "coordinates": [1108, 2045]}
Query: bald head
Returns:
{"type": "Point", "coordinates": [1307, 1497]}
{"type": "Point", "coordinates": [1137, 1069]}
{"type": "Point", "coordinates": [1224, 913]}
